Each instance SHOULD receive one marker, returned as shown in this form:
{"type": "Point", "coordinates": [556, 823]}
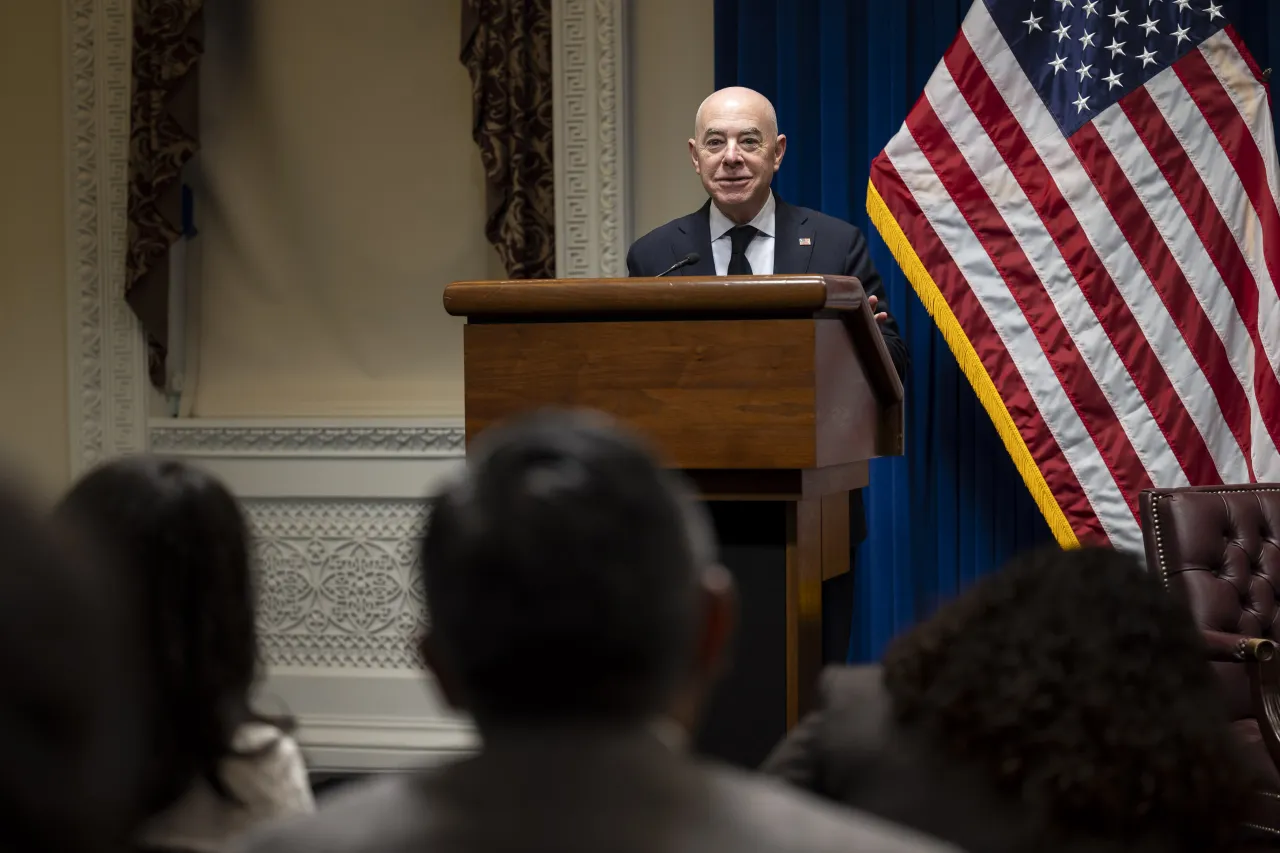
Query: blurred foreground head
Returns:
{"type": "Point", "coordinates": [179, 550]}
{"type": "Point", "coordinates": [1083, 688]}
{"type": "Point", "coordinates": [70, 708]}
{"type": "Point", "coordinates": [570, 578]}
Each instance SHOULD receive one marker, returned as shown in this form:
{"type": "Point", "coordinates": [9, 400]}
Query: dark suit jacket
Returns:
{"type": "Point", "coordinates": [835, 248]}
{"type": "Point", "coordinates": [852, 751]}
{"type": "Point", "coordinates": [581, 791]}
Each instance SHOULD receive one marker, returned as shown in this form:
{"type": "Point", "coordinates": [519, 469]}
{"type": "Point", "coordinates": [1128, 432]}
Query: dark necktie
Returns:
{"type": "Point", "coordinates": [740, 236]}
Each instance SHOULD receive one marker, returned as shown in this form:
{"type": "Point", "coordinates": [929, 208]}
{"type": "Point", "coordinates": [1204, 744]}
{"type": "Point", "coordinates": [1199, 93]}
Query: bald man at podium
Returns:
{"type": "Point", "coordinates": [745, 229]}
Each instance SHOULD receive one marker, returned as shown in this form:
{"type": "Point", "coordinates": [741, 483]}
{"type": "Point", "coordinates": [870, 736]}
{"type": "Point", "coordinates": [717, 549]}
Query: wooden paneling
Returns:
{"type": "Point", "coordinates": [673, 296]}
{"type": "Point", "coordinates": [774, 484]}
{"type": "Point", "coordinates": [847, 414]}
{"type": "Point", "coordinates": [804, 605]}
{"type": "Point", "coordinates": [835, 535]}
{"type": "Point", "coordinates": [710, 394]}
{"type": "Point", "coordinates": [774, 387]}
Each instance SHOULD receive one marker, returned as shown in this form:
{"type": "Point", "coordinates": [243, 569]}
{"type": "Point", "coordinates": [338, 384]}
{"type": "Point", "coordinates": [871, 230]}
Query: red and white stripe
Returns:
{"type": "Point", "coordinates": [1127, 274]}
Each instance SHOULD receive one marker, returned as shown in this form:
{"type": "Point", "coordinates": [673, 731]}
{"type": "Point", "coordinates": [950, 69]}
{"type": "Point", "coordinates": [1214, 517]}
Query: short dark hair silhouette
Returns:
{"type": "Point", "coordinates": [70, 711]}
{"type": "Point", "coordinates": [180, 547]}
{"type": "Point", "coordinates": [561, 572]}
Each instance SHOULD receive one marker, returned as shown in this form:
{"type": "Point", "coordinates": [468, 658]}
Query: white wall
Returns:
{"type": "Point", "coordinates": [33, 321]}
{"type": "Point", "coordinates": [672, 70]}
{"type": "Point", "coordinates": [343, 192]}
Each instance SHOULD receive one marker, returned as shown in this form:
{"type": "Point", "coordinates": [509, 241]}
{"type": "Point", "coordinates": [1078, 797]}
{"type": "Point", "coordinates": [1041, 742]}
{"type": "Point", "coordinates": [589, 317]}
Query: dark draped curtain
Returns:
{"type": "Point", "coordinates": [842, 75]}
{"type": "Point", "coordinates": [167, 45]}
{"type": "Point", "coordinates": [506, 48]}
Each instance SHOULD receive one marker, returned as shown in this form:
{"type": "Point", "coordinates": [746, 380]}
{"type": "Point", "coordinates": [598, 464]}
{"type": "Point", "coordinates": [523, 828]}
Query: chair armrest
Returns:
{"type": "Point", "coordinates": [1263, 663]}
{"type": "Point", "coordinates": [1235, 648]}
{"type": "Point", "coordinates": [1261, 658]}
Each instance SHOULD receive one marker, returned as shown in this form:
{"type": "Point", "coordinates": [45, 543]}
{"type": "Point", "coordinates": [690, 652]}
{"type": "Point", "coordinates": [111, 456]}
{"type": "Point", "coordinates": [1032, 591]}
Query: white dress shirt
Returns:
{"type": "Point", "coordinates": [759, 250]}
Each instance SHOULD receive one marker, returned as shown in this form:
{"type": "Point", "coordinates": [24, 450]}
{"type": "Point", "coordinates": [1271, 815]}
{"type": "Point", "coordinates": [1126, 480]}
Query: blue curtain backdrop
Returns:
{"type": "Point", "coordinates": [842, 75]}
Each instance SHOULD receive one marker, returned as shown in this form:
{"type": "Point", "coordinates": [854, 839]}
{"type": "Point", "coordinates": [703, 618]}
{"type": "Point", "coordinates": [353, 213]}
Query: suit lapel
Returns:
{"type": "Point", "coordinates": [793, 244]}
{"type": "Point", "coordinates": [695, 236]}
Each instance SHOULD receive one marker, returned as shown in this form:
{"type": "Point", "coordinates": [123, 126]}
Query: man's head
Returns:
{"type": "Point", "coordinates": [569, 576]}
{"type": "Point", "coordinates": [736, 148]}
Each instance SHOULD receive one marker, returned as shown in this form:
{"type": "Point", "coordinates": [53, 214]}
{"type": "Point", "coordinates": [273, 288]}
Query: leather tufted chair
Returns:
{"type": "Point", "coordinates": [1218, 548]}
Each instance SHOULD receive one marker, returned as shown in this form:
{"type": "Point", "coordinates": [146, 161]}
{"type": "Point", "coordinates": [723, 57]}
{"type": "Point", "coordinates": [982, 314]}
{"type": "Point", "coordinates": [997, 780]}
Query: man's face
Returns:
{"type": "Point", "coordinates": [736, 153]}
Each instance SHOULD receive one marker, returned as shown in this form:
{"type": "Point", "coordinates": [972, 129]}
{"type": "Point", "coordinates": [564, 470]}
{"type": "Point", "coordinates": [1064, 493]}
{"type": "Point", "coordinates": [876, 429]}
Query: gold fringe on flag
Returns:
{"type": "Point", "coordinates": [967, 357]}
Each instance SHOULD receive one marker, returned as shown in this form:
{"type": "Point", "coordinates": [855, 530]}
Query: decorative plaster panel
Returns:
{"type": "Point", "coordinates": [339, 582]}
{"type": "Point", "coordinates": [202, 438]}
{"type": "Point", "coordinates": [106, 356]}
{"type": "Point", "coordinates": [592, 225]}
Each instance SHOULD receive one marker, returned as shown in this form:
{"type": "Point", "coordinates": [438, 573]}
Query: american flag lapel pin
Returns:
{"type": "Point", "coordinates": [806, 241]}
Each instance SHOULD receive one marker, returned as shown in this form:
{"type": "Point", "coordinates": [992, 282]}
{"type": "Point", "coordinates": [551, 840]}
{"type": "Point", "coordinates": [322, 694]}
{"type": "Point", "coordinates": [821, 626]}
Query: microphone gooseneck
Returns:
{"type": "Point", "coordinates": [691, 258]}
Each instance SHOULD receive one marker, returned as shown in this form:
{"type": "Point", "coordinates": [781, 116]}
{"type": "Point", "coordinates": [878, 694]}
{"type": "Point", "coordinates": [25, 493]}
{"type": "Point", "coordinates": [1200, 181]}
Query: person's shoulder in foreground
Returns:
{"type": "Point", "coordinates": [728, 810]}
{"type": "Point", "coordinates": [770, 816]}
{"type": "Point", "coordinates": [566, 542]}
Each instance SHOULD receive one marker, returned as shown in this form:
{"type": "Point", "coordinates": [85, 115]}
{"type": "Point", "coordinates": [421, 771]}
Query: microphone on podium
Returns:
{"type": "Point", "coordinates": [691, 258]}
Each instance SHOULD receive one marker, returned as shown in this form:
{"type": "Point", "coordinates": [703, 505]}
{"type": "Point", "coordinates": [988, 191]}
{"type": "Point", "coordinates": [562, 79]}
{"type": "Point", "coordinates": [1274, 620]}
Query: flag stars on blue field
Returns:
{"type": "Point", "coordinates": [1108, 47]}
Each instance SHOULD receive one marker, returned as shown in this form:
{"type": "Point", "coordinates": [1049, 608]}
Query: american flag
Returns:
{"type": "Point", "coordinates": [1085, 199]}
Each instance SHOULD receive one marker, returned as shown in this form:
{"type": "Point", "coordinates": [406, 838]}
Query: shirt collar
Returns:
{"type": "Point", "coordinates": [763, 222]}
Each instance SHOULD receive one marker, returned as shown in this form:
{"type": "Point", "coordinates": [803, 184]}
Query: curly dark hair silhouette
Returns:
{"type": "Point", "coordinates": [1083, 688]}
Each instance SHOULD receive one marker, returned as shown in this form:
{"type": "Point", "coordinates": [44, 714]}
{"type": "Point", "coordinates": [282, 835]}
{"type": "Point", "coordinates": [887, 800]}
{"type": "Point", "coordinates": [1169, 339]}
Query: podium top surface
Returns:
{"type": "Point", "coordinates": [790, 294]}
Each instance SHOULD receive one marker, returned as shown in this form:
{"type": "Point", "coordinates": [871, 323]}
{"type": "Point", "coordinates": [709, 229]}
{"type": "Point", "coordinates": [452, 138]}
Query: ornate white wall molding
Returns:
{"type": "Point", "coordinates": [366, 439]}
{"type": "Point", "coordinates": [337, 512]}
{"type": "Point", "coordinates": [590, 106]}
{"type": "Point", "coordinates": [371, 460]}
{"type": "Point", "coordinates": [367, 743]}
{"type": "Point", "coordinates": [340, 613]}
{"type": "Point", "coordinates": [107, 381]}
{"type": "Point", "coordinates": [351, 736]}
{"type": "Point", "coordinates": [340, 584]}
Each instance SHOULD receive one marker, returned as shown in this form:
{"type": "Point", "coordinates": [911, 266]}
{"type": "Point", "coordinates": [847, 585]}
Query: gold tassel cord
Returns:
{"type": "Point", "coordinates": [952, 332]}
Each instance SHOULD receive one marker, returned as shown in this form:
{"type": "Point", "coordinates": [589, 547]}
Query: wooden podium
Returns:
{"type": "Point", "coordinates": [775, 388]}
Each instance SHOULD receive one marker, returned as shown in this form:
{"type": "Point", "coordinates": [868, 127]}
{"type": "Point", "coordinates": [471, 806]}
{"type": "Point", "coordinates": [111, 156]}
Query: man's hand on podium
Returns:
{"type": "Point", "coordinates": [883, 315]}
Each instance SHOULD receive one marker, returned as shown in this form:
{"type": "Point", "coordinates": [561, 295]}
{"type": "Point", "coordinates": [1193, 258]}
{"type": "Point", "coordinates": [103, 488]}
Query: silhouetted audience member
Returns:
{"type": "Point", "coordinates": [179, 546]}
{"type": "Point", "coordinates": [578, 613]}
{"type": "Point", "coordinates": [1064, 703]}
{"type": "Point", "coordinates": [70, 723]}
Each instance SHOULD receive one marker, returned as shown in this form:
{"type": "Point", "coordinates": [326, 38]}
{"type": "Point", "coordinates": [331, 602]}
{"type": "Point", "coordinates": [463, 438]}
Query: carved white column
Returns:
{"type": "Point", "coordinates": [107, 375]}
{"type": "Point", "coordinates": [590, 107]}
